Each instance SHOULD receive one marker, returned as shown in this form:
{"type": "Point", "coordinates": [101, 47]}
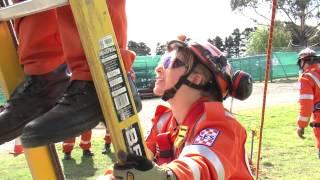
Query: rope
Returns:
{"type": "Point", "coordinates": [266, 77]}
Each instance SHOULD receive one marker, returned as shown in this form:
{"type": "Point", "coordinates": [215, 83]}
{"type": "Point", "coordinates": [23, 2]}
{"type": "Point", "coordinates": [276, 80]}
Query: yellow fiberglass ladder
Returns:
{"type": "Point", "coordinates": [103, 55]}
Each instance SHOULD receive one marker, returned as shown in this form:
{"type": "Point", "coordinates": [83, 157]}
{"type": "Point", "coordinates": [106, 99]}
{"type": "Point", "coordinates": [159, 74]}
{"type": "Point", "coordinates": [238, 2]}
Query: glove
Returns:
{"type": "Point", "coordinates": [138, 167]}
{"type": "Point", "coordinates": [300, 132]}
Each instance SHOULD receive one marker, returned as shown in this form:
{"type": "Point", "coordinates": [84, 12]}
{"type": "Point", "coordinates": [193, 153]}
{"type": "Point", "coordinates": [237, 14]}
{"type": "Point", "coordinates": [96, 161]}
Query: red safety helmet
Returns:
{"type": "Point", "coordinates": [238, 85]}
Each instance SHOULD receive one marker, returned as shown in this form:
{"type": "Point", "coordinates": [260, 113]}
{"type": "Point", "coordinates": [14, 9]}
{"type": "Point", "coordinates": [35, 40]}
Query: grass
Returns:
{"type": "Point", "coordinates": [283, 155]}
{"type": "Point", "coordinates": [78, 168]}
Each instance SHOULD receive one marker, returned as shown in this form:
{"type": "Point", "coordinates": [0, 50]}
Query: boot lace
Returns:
{"type": "Point", "coordinates": [30, 87]}
{"type": "Point", "coordinates": [72, 93]}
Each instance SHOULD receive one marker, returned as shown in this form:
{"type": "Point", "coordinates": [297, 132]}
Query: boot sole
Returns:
{"type": "Point", "coordinates": [36, 140]}
{"type": "Point", "coordinates": [11, 135]}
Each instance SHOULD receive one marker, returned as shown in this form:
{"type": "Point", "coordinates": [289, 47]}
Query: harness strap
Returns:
{"type": "Point", "coordinates": [315, 125]}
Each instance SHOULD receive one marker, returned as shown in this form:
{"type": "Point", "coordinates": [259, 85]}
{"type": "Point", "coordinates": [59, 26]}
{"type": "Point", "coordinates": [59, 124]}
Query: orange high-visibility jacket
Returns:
{"type": "Point", "coordinates": [213, 146]}
{"type": "Point", "coordinates": [309, 95]}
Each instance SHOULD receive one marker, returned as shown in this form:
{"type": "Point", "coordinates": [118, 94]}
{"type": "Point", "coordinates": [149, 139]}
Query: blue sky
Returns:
{"type": "Point", "coordinates": [153, 21]}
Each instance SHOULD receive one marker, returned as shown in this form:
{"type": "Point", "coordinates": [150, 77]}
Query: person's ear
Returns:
{"type": "Point", "coordinates": [196, 78]}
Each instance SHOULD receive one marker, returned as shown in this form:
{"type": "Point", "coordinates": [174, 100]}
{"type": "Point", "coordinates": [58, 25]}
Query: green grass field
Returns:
{"type": "Point", "coordinates": [283, 154]}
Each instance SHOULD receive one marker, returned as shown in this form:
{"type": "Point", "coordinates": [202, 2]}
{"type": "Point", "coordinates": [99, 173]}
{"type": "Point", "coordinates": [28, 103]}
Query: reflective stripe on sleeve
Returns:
{"type": "Point", "coordinates": [316, 80]}
{"type": "Point", "coordinates": [306, 96]}
{"type": "Point", "coordinates": [207, 153]}
{"type": "Point", "coordinates": [85, 142]}
{"type": "Point", "coordinates": [193, 166]}
{"type": "Point", "coordinates": [68, 144]}
{"type": "Point", "coordinates": [304, 118]}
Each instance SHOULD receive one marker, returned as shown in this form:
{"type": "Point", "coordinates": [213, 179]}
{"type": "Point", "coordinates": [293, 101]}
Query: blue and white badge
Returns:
{"type": "Point", "coordinates": [206, 137]}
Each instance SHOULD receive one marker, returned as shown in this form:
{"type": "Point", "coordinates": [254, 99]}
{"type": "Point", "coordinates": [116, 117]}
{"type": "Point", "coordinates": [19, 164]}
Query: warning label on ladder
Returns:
{"type": "Point", "coordinates": [115, 79]}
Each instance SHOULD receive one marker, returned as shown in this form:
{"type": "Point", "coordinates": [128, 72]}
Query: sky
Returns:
{"type": "Point", "coordinates": [153, 21]}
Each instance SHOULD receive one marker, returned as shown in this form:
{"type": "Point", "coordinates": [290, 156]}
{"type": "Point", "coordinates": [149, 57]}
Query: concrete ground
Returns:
{"type": "Point", "coordinates": [281, 92]}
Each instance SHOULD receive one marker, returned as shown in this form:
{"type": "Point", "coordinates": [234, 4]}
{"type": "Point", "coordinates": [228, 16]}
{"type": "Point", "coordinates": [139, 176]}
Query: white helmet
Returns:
{"type": "Point", "coordinates": [308, 56]}
{"type": "Point", "coordinates": [307, 52]}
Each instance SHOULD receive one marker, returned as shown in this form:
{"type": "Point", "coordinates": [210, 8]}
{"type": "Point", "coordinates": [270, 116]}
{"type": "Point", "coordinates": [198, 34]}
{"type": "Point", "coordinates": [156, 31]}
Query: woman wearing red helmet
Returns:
{"type": "Point", "coordinates": [196, 138]}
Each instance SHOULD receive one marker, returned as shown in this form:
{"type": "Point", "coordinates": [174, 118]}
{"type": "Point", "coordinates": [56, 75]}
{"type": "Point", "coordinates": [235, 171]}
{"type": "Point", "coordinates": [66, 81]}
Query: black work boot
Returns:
{"type": "Point", "coordinates": [76, 112]}
{"type": "Point", "coordinates": [67, 156]}
{"type": "Point", "coordinates": [87, 153]}
{"type": "Point", "coordinates": [135, 94]}
{"type": "Point", "coordinates": [34, 96]}
{"type": "Point", "coordinates": [106, 149]}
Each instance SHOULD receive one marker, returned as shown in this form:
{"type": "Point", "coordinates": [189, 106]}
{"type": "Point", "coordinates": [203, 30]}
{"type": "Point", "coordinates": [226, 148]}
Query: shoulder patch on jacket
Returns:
{"type": "Point", "coordinates": [206, 137]}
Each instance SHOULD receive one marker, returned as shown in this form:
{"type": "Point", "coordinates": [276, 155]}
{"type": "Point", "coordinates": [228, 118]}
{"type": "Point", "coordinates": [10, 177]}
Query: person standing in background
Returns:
{"type": "Point", "coordinates": [85, 145]}
{"type": "Point", "coordinates": [309, 100]}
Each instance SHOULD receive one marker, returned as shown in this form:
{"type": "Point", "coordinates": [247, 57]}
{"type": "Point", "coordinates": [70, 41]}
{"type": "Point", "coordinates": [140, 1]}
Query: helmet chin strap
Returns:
{"type": "Point", "coordinates": [170, 93]}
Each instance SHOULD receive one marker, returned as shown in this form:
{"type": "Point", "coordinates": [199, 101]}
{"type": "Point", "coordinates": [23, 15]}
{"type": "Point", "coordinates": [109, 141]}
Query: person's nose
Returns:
{"type": "Point", "coordinates": [159, 69]}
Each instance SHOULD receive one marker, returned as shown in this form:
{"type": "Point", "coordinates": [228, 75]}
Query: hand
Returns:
{"type": "Point", "coordinates": [300, 132]}
{"type": "Point", "coordinates": [138, 167]}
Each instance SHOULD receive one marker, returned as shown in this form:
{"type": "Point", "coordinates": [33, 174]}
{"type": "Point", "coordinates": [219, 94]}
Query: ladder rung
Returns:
{"type": "Point", "coordinates": [29, 7]}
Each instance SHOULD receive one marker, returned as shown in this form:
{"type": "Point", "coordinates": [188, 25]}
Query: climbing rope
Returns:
{"type": "Point", "coordinates": [266, 78]}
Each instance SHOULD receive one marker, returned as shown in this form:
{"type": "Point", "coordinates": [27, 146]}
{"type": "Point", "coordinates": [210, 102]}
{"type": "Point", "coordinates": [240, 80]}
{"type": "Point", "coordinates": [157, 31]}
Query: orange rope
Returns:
{"type": "Point", "coordinates": [266, 78]}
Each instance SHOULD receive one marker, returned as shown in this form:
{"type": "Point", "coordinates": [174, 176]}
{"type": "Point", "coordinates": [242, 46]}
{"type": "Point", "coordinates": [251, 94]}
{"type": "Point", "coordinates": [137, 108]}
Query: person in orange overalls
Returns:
{"type": "Point", "coordinates": [107, 143]}
{"type": "Point", "coordinates": [309, 64]}
{"type": "Point", "coordinates": [51, 104]}
{"type": "Point", "coordinates": [196, 138]}
{"type": "Point", "coordinates": [85, 145]}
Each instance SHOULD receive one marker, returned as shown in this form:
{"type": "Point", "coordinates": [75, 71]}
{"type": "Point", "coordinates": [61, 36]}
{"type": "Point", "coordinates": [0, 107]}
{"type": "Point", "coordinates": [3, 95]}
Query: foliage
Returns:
{"type": "Point", "coordinates": [237, 41]}
{"type": "Point", "coordinates": [161, 49]}
{"type": "Point", "coordinates": [217, 41]}
{"type": "Point", "coordinates": [298, 14]}
{"type": "Point", "coordinates": [235, 44]}
{"type": "Point", "coordinates": [245, 35]}
{"type": "Point", "coordinates": [141, 49]}
{"type": "Point", "coordinates": [229, 46]}
{"type": "Point", "coordinates": [258, 40]}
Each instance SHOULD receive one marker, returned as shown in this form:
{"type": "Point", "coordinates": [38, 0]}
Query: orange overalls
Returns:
{"type": "Point", "coordinates": [85, 142]}
{"type": "Point", "coordinates": [48, 39]}
{"type": "Point", "coordinates": [310, 99]}
{"type": "Point", "coordinates": [107, 137]}
{"type": "Point", "coordinates": [209, 144]}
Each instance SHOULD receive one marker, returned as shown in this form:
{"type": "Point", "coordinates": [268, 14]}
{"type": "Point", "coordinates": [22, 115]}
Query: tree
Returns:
{"type": "Point", "coordinates": [236, 41]}
{"type": "Point", "coordinates": [258, 40]}
{"type": "Point", "coordinates": [161, 49]}
{"type": "Point", "coordinates": [297, 12]}
{"type": "Point", "coordinates": [141, 49]}
{"type": "Point", "coordinates": [228, 42]}
{"type": "Point", "coordinates": [245, 35]}
{"type": "Point", "coordinates": [217, 41]}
